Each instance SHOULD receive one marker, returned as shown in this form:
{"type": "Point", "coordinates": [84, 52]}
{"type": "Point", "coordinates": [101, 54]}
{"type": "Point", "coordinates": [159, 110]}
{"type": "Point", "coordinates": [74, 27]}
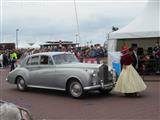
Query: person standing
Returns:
{"type": "Point", "coordinates": [13, 60]}
{"type": "Point", "coordinates": [5, 60]}
{"type": "Point", "coordinates": [135, 62]}
{"type": "Point", "coordinates": [156, 53]}
{"type": "Point", "coordinates": [129, 81]}
{"type": "Point", "coordinates": [1, 60]}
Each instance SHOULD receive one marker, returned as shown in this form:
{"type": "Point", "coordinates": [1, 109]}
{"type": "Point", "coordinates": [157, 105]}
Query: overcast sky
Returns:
{"type": "Point", "coordinates": [42, 20]}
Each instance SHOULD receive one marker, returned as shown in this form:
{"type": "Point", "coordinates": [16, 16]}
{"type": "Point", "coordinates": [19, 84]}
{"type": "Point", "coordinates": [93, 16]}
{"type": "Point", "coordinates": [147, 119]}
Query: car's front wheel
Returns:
{"type": "Point", "coordinates": [75, 89]}
{"type": "Point", "coordinates": [21, 85]}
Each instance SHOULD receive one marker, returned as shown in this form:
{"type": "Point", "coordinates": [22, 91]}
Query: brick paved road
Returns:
{"type": "Point", "coordinates": [55, 105]}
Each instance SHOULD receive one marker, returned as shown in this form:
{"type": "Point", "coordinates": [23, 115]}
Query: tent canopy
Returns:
{"type": "Point", "coordinates": [145, 26]}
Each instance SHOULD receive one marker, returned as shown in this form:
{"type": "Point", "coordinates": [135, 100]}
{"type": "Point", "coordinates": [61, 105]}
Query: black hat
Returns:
{"type": "Point", "coordinates": [134, 45]}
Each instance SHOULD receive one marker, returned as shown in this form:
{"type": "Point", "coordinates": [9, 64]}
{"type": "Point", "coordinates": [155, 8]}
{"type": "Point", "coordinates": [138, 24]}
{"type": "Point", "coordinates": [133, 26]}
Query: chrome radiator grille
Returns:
{"type": "Point", "coordinates": [104, 74]}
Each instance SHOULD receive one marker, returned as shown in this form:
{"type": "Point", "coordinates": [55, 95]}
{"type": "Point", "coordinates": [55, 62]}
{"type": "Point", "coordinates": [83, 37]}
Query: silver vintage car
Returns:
{"type": "Point", "coordinates": [62, 71]}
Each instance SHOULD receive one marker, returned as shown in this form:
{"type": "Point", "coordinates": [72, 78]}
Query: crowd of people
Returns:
{"type": "Point", "coordinates": [156, 53]}
{"type": "Point", "coordinates": [149, 63]}
{"type": "Point", "coordinates": [85, 51]}
{"type": "Point", "coordinates": [9, 57]}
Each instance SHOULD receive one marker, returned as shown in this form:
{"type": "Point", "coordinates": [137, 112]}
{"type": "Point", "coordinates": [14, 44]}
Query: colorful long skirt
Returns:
{"type": "Point", "coordinates": [129, 81]}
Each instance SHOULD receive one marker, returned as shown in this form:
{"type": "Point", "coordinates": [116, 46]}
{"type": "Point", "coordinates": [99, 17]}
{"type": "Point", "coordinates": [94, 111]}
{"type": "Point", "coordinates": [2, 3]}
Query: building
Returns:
{"type": "Point", "coordinates": [51, 44]}
{"type": "Point", "coordinates": [5, 46]}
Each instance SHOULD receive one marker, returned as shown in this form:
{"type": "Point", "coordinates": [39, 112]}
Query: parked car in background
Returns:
{"type": "Point", "coordinates": [62, 71]}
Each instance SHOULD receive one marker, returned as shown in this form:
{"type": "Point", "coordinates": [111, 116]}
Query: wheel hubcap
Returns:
{"type": "Point", "coordinates": [21, 84]}
{"type": "Point", "coordinates": [76, 89]}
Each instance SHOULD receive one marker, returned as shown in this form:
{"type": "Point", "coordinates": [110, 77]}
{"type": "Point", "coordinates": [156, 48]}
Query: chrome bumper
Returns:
{"type": "Point", "coordinates": [107, 86]}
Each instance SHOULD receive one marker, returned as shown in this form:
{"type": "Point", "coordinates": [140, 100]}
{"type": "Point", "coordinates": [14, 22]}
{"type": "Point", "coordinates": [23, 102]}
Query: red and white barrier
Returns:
{"type": "Point", "coordinates": [90, 60]}
{"type": "Point", "coordinates": [94, 60]}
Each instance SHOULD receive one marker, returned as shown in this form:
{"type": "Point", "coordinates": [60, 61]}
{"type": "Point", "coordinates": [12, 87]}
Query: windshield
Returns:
{"type": "Point", "coordinates": [64, 58]}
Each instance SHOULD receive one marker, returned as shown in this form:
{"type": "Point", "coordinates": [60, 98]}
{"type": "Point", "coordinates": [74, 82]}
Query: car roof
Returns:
{"type": "Point", "coordinates": [51, 53]}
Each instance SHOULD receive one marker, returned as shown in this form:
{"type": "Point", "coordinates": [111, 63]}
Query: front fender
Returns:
{"type": "Point", "coordinates": [83, 76]}
{"type": "Point", "coordinates": [23, 73]}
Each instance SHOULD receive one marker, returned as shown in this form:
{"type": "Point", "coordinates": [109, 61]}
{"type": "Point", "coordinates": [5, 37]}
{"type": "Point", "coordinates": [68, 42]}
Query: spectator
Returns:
{"type": "Point", "coordinates": [5, 60]}
{"type": "Point", "coordinates": [156, 53]}
{"type": "Point", "coordinates": [1, 60]}
{"type": "Point", "coordinates": [13, 56]}
{"type": "Point", "coordinates": [135, 57]}
{"type": "Point", "coordinates": [92, 52]}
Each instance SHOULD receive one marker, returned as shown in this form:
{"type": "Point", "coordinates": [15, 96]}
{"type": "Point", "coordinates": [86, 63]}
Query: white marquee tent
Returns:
{"type": "Point", "coordinates": [143, 30]}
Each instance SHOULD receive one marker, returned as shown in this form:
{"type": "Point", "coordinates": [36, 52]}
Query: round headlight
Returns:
{"type": "Point", "coordinates": [94, 74]}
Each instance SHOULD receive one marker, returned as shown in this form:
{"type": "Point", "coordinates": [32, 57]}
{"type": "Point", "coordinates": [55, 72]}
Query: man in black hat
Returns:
{"type": "Point", "coordinates": [135, 56]}
{"type": "Point", "coordinates": [156, 52]}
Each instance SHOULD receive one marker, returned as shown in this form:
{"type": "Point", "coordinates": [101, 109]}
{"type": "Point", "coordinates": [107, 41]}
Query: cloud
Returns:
{"type": "Point", "coordinates": [53, 21]}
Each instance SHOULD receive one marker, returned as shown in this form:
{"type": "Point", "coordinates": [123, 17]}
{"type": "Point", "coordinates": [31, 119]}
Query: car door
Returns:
{"type": "Point", "coordinates": [33, 67]}
{"type": "Point", "coordinates": [61, 73]}
{"type": "Point", "coordinates": [46, 74]}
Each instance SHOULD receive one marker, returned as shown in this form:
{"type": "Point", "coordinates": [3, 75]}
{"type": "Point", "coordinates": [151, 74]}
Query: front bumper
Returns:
{"type": "Point", "coordinates": [107, 86]}
{"type": "Point", "coordinates": [10, 79]}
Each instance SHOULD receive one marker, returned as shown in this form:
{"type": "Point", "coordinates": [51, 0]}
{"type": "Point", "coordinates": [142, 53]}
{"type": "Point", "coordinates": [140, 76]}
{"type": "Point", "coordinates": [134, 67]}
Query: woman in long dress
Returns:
{"type": "Point", "coordinates": [129, 81]}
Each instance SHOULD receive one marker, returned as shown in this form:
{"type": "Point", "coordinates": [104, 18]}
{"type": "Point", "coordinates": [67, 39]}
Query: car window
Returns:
{"type": "Point", "coordinates": [29, 61]}
{"type": "Point", "coordinates": [58, 59]}
{"type": "Point", "coordinates": [34, 60]}
{"type": "Point", "coordinates": [45, 60]}
{"type": "Point", "coordinates": [64, 58]}
{"type": "Point", "coordinates": [50, 62]}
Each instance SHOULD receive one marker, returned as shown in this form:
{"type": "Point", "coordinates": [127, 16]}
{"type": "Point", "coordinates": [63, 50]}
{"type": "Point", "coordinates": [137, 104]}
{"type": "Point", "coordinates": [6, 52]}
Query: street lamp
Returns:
{"type": "Point", "coordinates": [17, 37]}
{"type": "Point", "coordinates": [76, 37]}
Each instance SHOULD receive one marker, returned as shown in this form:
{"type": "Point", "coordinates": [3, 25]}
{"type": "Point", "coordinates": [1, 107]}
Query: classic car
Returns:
{"type": "Point", "coordinates": [62, 71]}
